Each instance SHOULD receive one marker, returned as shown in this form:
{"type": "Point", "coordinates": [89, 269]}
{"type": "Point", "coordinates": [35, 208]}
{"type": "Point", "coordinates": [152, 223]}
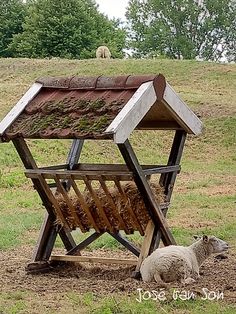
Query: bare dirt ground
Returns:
{"type": "Point", "coordinates": [218, 273]}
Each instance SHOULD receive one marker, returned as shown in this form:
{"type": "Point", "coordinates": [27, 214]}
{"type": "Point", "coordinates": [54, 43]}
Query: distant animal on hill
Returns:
{"type": "Point", "coordinates": [179, 263]}
{"type": "Point", "coordinates": [103, 53]}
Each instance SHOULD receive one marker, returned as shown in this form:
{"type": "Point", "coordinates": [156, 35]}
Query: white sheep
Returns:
{"type": "Point", "coordinates": [179, 263]}
{"type": "Point", "coordinates": [103, 53]}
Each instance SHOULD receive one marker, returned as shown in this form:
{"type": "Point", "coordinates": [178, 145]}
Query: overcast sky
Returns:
{"type": "Point", "coordinates": [113, 8]}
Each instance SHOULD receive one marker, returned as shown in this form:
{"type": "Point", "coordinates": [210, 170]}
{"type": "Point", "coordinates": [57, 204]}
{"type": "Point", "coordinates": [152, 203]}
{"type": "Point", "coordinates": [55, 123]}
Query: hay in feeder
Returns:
{"type": "Point", "coordinates": [121, 206]}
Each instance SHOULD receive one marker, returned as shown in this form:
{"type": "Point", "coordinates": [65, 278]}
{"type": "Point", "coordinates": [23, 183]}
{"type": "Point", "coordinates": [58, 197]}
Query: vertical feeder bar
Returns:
{"type": "Point", "coordinates": [73, 157]}
{"type": "Point", "coordinates": [134, 221]}
{"type": "Point", "coordinates": [71, 208]}
{"type": "Point", "coordinates": [98, 204]}
{"type": "Point", "coordinates": [83, 204]}
{"type": "Point", "coordinates": [113, 205]}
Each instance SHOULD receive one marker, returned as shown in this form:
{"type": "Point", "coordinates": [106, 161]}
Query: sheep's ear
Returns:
{"type": "Point", "coordinates": [196, 237]}
{"type": "Point", "coordinates": [205, 238]}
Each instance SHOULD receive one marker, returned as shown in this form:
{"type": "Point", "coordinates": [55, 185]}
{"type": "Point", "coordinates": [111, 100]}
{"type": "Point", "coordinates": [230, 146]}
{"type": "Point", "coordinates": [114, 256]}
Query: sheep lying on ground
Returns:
{"type": "Point", "coordinates": [103, 53]}
{"type": "Point", "coordinates": [179, 263]}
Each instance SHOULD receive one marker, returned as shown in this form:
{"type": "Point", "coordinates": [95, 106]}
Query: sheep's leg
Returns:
{"type": "Point", "coordinates": [159, 281]}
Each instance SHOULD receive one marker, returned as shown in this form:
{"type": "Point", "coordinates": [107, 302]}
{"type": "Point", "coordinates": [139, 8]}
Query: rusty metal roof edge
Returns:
{"type": "Point", "coordinates": [102, 82]}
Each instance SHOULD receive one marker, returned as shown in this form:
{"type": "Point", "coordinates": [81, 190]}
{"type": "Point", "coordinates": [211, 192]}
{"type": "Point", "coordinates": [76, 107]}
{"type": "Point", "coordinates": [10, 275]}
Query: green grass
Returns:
{"type": "Point", "coordinates": [26, 302]}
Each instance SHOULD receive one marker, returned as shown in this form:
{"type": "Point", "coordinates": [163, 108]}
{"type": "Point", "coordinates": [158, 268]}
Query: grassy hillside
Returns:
{"type": "Point", "coordinates": [204, 198]}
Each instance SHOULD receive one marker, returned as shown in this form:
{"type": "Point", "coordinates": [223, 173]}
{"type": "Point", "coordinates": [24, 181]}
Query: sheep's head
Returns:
{"type": "Point", "coordinates": [218, 245]}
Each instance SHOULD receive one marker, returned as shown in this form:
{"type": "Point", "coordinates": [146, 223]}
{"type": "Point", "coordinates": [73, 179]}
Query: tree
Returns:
{"type": "Point", "coordinates": [67, 29]}
{"type": "Point", "coordinates": [11, 17]}
{"type": "Point", "coordinates": [183, 28]}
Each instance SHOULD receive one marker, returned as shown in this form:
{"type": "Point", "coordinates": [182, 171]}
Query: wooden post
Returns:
{"type": "Point", "coordinates": [145, 190]}
{"type": "Point", "coordinates": [130, 246]}
{"type": "Point", "coordinates": [48, 231]}
{"type": "Point", "coordinates": [73, 158]}
{"type": "Point", "coordinates": [167, 180]}
{"type": "Point", "coordinates": [145, 249]}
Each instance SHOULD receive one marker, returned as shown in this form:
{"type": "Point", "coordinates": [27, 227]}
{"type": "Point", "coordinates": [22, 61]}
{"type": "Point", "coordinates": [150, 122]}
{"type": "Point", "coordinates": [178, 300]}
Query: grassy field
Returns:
{"type": "Point", "coordinates": [204, 199]}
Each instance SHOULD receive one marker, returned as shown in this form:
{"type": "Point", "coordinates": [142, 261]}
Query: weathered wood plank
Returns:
{"type": "Point", "coordinates": [181, 112]}
{"type": "Point", "coordinates": [78, 175]}
{"type": "Point", "coordinates": [88, 259]}
{"type": "Point", "coordinates": [82, 245]}
{"type": "Point", "coordinates": [113, 205]}
{"type": "Point", "coordinates": [19, 107]}
{"type": "Point", "coordinates": [99, 205]}
{"type": "Point", "coordinates": [84, 204]}
{"type": "Point", "coordinates": [125, 242]}
{"type": "Point", "coordinates": [70, 206]}
{"type": "Point", "coordinates": [145, 249]}
{"type": "Point", "coordinates": [133, 112]}
{"type": "Point", "coordinates": [144, 188]}
{"type": "Point", "coordinates": [134, 221]}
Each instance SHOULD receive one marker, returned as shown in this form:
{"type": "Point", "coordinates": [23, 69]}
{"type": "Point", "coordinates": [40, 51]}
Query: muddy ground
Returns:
{"type": "Point", "coordinates": [218, 273]}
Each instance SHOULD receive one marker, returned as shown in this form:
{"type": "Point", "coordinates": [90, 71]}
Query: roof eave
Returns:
{"type": "Point", "coordinates": [19, 107]}
{"type": "Point", "coordinates": [181, 112]}
{"type": "Point", "coordinates": [132, 113]}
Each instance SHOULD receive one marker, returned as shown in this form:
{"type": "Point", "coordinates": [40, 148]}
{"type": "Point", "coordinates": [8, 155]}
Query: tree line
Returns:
{"type": "Point", "coordinates": [178, 29]}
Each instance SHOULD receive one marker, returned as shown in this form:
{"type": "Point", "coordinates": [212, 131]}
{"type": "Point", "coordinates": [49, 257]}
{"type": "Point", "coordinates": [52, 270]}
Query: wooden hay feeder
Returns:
{"type": "Point", "coordinates": [83, 108]}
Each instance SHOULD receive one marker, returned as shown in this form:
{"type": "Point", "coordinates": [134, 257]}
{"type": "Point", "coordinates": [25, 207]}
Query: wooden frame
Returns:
{"type": "Point", "coordinates": [139, 105]}
{"type": "Point", "coordinates": [157, 228]}
{"type": "Point", "coordinates": [133, 112]}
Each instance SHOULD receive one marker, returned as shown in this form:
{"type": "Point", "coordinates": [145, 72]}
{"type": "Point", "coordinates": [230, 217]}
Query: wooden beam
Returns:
{"type": "Point", "coordinates": [78, 175]}
{"type": "Point", "coordinates": [181, 112]}
{"type": "Point", "coordinates": [167, 180]}
{"type": "Point", "coordinates": [82, 245]}
{"type": "Point", "coordinates": [133, 112]}
{"type": "Point", "coordinates": [44, 247]}
{"type": "Point", "coordinates": [145, 249]}
{"type": "Point", "coordinates": [126, 243]}
{"type": "Point", "coordinates": [46, 240]}
{"type": "Point", "coordinates": [88, 259]}
{"type": "Point", "coordinates": [19, 107]}
{"type": "Point", "coordinates": [74, 153]}
{"type": "Point", "coordinates": [73, 158]}
{"type": "Point", "coordinates": [145, 190]}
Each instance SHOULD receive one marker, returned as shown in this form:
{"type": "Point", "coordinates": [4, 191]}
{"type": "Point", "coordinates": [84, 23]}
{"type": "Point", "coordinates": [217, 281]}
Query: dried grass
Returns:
{"type": "Point", "coordinates": [133, 201]}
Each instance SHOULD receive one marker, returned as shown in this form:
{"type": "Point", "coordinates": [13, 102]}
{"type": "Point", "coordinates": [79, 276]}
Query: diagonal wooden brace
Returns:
{"type": "Point", "coordinates": [145, 190]}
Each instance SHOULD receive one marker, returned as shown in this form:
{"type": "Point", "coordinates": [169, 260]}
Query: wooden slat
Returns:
{"type": "Point", "coordinates": [82, 245]}
{"type": "Point", "coordinates": [181, 112]}
{"type": "Point", "coordinates": [54, 167]}
{"type": "Point", "coordinates": [126, 243]}
{"type": "Point", "coordinates": [146, 192]}
{"type": "Point", "coordinates": [123, 168]}
{"type": "Point", "coordinates": [71, 208]}
{"type": "Point", "coordinates": [72, 258]}
{"type": "Point", "coordinates": [79, 175]}
{"type": "Point", "coordinates": [84, 204]}
{"type": "Point", "coordinates": [134, 221]}
{"type": "Point", "coordinates": [113, 205]}
{"type": "Point", "coordinates": [132, 113]}
{"type": "Point", "coordinates": [19, 107]}
{"type": "Point", "coordinates": [54, 202]}
{"type": "Point", "coordinates": [147, 241]}
{"type": "Point", "coordinates": [98, 204]}
{"type": "Point", "coordinates": [43, 246]}
{"type": "Point", "coordinates": [166, 169]}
